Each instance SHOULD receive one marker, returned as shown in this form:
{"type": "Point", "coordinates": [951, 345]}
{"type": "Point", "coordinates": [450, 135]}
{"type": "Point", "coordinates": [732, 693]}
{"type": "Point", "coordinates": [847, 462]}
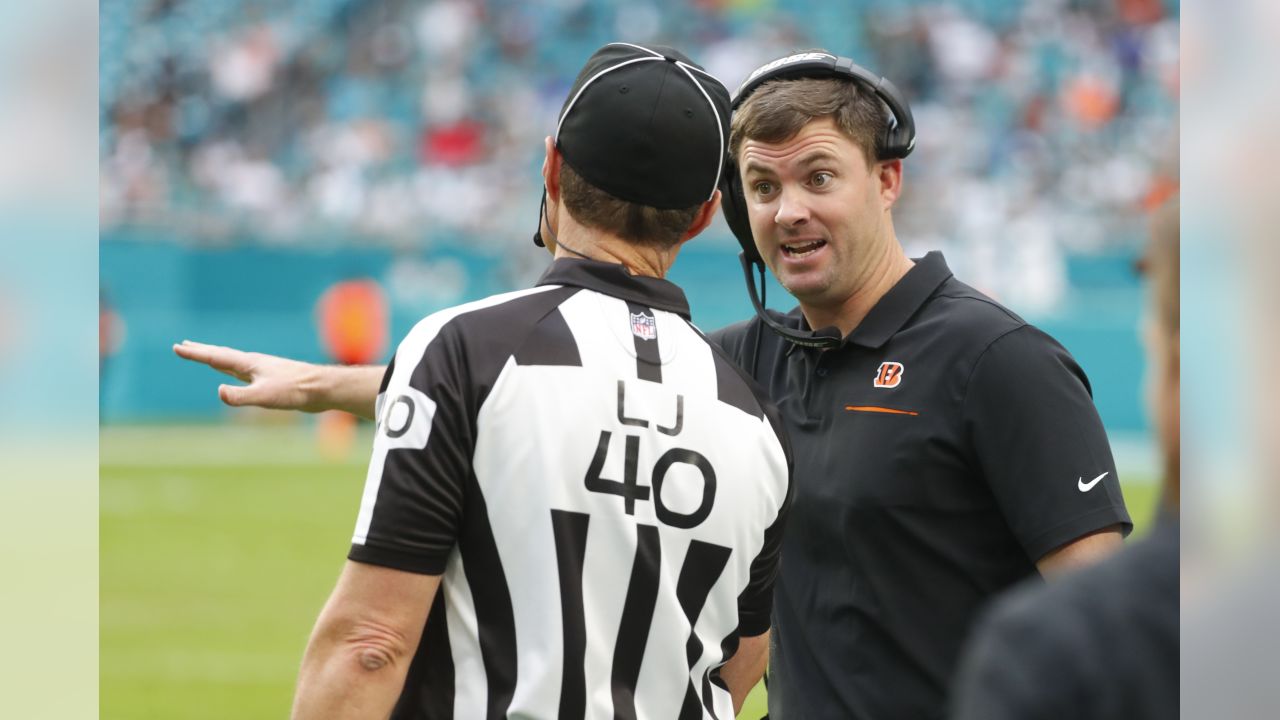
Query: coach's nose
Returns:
{"type": "Point", "coordinates": [792, 210]}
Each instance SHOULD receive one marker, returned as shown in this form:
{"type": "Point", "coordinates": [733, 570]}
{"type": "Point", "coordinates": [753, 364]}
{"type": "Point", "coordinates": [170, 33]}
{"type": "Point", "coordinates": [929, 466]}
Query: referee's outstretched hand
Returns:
{"type": "Point", "coordinates": [273, 382]}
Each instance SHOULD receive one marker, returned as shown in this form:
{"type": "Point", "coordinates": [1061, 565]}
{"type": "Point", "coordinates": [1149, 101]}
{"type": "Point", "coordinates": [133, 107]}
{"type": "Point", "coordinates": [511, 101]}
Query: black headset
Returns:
{"type": "Point", "coordinates": [898, 142]}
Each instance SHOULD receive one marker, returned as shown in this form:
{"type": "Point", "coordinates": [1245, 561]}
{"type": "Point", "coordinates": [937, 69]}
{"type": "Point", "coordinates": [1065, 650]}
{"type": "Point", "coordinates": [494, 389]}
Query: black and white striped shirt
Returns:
{"type": "Point", "coordinates": [602, 490]}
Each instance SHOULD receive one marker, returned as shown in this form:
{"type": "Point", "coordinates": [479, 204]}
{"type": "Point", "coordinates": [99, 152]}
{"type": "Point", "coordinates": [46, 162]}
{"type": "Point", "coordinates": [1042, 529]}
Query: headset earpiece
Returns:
{"type": "Point", "coordinates": [733, 203]}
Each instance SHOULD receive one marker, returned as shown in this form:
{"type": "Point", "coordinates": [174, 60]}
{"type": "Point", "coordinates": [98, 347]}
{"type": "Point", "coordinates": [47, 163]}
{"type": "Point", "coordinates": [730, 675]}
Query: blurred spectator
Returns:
{"type": "Point", "coordinates": [242, 68]}
{"type": "Point", "coordinates": [1042, 123]}
{"type": "Point", "coordinates": [111, 333]}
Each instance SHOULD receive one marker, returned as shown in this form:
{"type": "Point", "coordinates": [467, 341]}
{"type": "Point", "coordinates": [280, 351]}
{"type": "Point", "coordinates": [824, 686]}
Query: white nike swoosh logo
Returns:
{"type": "Point", "coordinates": [1087, 486]}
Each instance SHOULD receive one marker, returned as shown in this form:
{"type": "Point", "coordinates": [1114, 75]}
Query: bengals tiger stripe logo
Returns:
{"type": "Point", "coordinates": [889, 375]}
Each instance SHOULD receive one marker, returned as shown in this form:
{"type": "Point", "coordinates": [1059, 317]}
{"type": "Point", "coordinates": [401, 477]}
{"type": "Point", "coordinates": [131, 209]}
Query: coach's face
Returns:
{"type": "Point", "coordinates": [819, 214]}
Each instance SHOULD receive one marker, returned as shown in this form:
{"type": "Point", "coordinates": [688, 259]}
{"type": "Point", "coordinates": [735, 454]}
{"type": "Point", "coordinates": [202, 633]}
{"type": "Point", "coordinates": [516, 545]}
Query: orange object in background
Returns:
{"type": "Point", "coordinates": [1139, 12]}
{"type": "Point", "coordinates": [1092, 101]}
{"type": "Point", "coordinates": [354, 328]}
{"type": "Point", "coordinates": [354, 322]}
{"type": "Point", "coordinates": [1162, 188]}
{"type": "Point", "coordinates": [336, 435]}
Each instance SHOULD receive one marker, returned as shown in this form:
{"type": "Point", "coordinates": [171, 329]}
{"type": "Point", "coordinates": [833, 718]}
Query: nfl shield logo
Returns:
{"type": "Point", "coordinates": [644, 326]}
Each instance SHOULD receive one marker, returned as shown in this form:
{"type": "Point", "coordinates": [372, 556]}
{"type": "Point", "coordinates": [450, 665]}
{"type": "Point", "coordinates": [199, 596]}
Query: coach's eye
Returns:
{"type": "Point", "coordinates": [821, 179]}
{"type": "Point", "coordinates": [763, 188]}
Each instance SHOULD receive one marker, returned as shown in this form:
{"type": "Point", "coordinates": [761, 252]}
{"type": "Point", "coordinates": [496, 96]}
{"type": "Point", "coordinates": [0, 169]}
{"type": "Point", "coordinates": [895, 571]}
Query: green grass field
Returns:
{"type": "Point", "coordinates": [219, 544]}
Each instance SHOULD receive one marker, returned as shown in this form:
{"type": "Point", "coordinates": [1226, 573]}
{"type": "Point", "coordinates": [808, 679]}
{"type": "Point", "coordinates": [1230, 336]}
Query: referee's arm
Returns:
{"type": "Point", "coordinates": [745, 668]}
{"type": "Point", "coordinates": [359, 653]}
{"type": "Point", "coordinates": [283, 384]}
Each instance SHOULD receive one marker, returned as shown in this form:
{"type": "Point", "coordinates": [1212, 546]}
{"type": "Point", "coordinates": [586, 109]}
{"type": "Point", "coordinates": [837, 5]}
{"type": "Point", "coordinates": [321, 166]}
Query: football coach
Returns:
{"type": "Point", "coordinates": [945, 449]}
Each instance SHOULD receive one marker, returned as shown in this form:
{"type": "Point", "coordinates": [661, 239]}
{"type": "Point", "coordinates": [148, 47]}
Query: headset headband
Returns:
{"type": "Point", "coordinates": [901, 137]}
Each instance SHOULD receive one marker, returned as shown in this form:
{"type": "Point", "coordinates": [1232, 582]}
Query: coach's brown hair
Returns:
{"type": "Point", "coordinates": [779, 109]}
{"type": "Point", "coordinates": [639, 224]}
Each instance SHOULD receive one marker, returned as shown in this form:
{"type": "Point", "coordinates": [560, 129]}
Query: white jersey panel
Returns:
{"type": "Point", "coordinates": [470, 682]}
{"type": "Point", "coordinates": [597, 319]}
{"type": "Point", "coordinates": [694, 372]}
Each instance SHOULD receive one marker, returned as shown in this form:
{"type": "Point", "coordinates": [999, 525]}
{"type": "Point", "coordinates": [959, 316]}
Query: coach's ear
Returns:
{"type": "Point", "coordinates": [889, 173]}
{"type": "Point", "coordinates": [706, 213]}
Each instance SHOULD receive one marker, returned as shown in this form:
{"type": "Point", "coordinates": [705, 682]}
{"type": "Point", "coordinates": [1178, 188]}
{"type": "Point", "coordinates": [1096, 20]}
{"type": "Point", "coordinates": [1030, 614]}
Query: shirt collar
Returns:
{"type": "Point", "coordinates": [901, 302]}
{"type": "Point", "coordinates": [614, 280]}
{"type": "Point", "coordinates": [897, 306]}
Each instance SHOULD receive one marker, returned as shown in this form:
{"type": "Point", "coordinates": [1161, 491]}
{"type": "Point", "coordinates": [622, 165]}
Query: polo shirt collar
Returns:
{"type": "Point", "coordinates": [901, 302]}
{"type": "Point", "coordinates": [613, 279]}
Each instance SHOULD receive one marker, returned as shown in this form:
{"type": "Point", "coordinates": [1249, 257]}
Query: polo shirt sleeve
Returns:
{"type": "Point", "coordinates": [1038, 441]}
{"type": "Point", "coordinates": [412, 504]}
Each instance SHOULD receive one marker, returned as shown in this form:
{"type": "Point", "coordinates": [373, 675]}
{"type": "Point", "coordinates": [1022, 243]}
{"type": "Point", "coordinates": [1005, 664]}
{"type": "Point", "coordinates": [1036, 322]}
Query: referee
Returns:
{"type": "Point", "coordinates": [578, 496]}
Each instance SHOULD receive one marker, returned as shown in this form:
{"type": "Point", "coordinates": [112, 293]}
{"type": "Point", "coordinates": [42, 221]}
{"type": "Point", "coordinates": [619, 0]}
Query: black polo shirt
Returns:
{"type": "Point", "coordinates": [941, 450]}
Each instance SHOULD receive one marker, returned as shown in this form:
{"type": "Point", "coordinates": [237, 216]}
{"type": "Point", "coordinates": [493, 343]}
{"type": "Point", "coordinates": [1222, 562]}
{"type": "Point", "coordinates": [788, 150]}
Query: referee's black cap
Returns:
{"type": "Point", "coordinates": [646, 125]}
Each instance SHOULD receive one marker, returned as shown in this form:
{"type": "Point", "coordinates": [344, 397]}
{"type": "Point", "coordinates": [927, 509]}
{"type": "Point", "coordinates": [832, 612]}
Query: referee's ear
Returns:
{"type": "Point", "coordinates": [706, 213]}
{"type": "Point", "coordinates": [551, 170]}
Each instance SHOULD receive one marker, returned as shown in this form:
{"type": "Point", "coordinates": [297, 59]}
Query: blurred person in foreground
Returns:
{"type": "Point", "coordinates": [1102, 642]}
{"type": "Point", "coordinates": [576, 495]}
{"type": "Point", "coordinates": [945, 449]}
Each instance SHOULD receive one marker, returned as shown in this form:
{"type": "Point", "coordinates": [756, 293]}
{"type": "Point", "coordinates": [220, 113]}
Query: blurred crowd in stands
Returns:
{"type": "Point", "coordinates": [1045, 127]}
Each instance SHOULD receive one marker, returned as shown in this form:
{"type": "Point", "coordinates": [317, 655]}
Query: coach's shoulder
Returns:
{"type": "Point", "coordinates": [987, 330]}
{"type": "Point", "coordinates": [972, 314]}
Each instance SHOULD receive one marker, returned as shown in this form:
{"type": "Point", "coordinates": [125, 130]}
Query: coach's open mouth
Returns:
{"type": "Point", "coordinates": [801, 248]}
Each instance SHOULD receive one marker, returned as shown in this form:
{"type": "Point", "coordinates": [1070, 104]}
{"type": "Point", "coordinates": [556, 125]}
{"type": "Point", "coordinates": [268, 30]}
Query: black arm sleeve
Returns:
{"type": "Point", "coordinates": [755, 603]}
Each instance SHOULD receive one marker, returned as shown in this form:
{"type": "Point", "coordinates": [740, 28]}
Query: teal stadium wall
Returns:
{"type": "Point", "coordinates": [261, 297]}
